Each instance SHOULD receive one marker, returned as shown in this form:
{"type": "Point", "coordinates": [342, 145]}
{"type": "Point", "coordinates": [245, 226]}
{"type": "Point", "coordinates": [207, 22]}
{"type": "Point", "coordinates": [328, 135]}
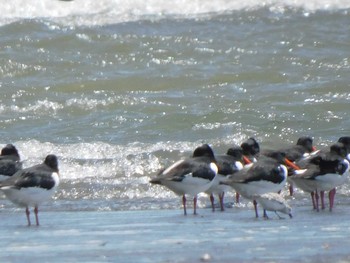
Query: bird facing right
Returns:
{"type": "Point", "coordinates": [33, 185]}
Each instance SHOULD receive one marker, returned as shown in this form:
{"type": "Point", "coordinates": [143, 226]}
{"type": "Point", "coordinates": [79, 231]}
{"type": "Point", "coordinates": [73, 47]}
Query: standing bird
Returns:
{"type": "Point", "coordinates": [251, 150]}
{"type": "Point", "coordinates": [303, 147]}
{"type": "Point", "coordinates": [190, 176]}
{"type": "Point", "coordinates": [33, 185]}
{"type": "Point", "coordinates": [337, 150]}
{"type": "Point", "coordinates": [9, 162]}
{"type": "Point", "coordinates": [294, 153]}
{"type": "Point", "coordinates": [227, 164]}
{"type": "Point", "coordinates": [323, 172]}
{"type": "Point", "coordinates": [267, 175]}
{"type": "Point", "coordinates": [274, 202]}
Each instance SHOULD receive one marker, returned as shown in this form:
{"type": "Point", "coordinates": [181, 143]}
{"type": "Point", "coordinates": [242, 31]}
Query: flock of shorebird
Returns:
{"type": "Point", "coordinates": [257, 176]}
{"type": "Point", "coordinates": [260, 176]}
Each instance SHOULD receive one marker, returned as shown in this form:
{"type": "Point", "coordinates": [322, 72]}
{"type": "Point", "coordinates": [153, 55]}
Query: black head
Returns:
{"type": "Point", "coordinates": [52, 162]}
{"type": "Point", "coordinates": [277, 155]}
{"type": "Point", "coordinates": [339, 149]}
{"type": "Point", "coordinates": [9, 149]}
{"type": "Point", "coordinates": [306, 142]}
{"type": "Point", "coordinates": [346, 141]}
{"type": "Point", "coordinates": [236, 152]}
{"type": "Point", "coordinates": [250, 147]}
{"type": "Point", "coordinates": [204, 150]}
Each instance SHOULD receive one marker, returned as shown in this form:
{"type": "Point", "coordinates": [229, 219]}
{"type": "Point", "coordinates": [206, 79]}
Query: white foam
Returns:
{"type": "Point", "coordinates": [88, 12]}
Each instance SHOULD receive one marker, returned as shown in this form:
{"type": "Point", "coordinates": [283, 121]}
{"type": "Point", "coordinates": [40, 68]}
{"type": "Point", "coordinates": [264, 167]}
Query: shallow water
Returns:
{"type": "Point", "coordinates": [118, 91]}
{"type": "Point", "coordinates": [168, 236]}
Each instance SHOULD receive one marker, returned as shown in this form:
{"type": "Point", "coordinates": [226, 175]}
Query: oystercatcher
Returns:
{"type": "Point", "coordinates": [323, 172]}
{"type": "Point", "coordinates": [266, 175]}
{"type": "Point", "coordinates": [294, 153]}
{"type": "Point", "coordinates": [33, 185]}
{"type": "Point", "coordinates": [190, 176]}
{"type": "Point", "coordinates": [251, 150]}
{"type": "Point", "coordinates": [227, 164]}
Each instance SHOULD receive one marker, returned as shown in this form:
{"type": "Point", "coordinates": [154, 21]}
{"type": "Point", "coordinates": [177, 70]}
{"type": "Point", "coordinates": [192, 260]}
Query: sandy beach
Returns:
{"type": "Point", "coordinates": [168, 236]}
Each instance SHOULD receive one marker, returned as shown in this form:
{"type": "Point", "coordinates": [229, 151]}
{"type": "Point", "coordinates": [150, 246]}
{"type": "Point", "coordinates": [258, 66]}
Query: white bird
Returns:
{"type": "Point", "coordinates": [33, 185]}
{"type": "Point", "coordinates": [274, 202]}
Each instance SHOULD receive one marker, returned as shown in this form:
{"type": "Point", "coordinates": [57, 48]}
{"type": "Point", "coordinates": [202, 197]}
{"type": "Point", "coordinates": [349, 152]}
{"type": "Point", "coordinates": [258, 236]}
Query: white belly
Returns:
{"type": "Point", "coordinates": [190, 185]}
{"type": "Point", "coordinates": [216, 187]}
{"type": "Point", "coordinates": [256, 188]}
{"type": "Point", "coordinates": [32, 196]}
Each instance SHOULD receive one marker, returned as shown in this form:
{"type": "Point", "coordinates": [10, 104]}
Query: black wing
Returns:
{"type": "Point", "coordinates": [9, 167]}
{"type": "Point", "coordinates": [36, 176]}
{"type": "Point", "coordinates": [37, 179]}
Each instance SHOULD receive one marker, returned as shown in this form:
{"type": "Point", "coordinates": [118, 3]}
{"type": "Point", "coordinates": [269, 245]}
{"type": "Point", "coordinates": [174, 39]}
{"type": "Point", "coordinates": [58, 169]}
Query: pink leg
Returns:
{"type": "Point", "coordinates": [195, 205]}
{"type": "Point", "coordinates": [322, 200]}
{"type": "Point", "coordinates": [316, 198]}
{"type": "Point", "coordinates": [331, 198]}
{"type": "Point", "coordinates": [313, 200]}
{"type": "Point", "coordinates": [256, 208]}
{"type": "Point", "coordinates": [237, 198]}
{"type": "Point", "coordinates": [212, 202]}
{"type": "Point", "coordinates": [184, 204]}
{"type": "Point", "coordinates": [36, 211]}
{"type": "Point", "coordinates": [265, 215]}
{"type": "Point", "coordinates": [221, 198]}
{"type": "Point", "coordinates": [291, 189]}
{"type": "Point", "coordinates": [27, 214]}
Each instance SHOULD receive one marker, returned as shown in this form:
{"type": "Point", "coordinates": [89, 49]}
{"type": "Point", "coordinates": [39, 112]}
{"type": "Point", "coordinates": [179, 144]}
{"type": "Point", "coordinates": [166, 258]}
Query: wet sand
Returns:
{"type": "Point", "coordinates": [168, 236]}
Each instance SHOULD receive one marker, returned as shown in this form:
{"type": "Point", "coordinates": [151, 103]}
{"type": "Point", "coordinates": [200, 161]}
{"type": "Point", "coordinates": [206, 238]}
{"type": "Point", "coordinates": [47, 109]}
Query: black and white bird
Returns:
{"type": "Point", "coordinates": [190, 176]}
{"type": "Point", "coordinates": [250, 150]}
{"type": "Point", "coordinates": [264, 176]}
{"type": "Point", "coordinates": [294, 153]}
{"type": "Point", "coordinates": [323, 172]}
{"type": "Point", "coordinates": [9, 162]}
{"type": "Point", "coordinates": [227, 164]}
{"type": "Point", "coordinates": [33, 186]}
{"type": "Point", "coordinates": [302, 148]}
{"type": "Point", "coordinates": [274, 202]}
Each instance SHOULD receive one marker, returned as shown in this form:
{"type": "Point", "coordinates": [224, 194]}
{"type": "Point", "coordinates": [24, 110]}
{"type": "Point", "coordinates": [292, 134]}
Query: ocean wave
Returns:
{"type": "Point", "coordinates": [90, 13]}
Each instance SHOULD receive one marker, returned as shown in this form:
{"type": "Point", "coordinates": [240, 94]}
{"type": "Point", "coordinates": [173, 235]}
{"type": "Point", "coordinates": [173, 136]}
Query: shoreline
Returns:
{"type": "Point", "coordinates": [168, 236]}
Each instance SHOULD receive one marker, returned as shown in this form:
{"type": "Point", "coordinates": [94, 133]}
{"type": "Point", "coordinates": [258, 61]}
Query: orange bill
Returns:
{"type": "Point", "coordinates": [291, 164]}
{"type": "Point", "coordinates": [246, 160]}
